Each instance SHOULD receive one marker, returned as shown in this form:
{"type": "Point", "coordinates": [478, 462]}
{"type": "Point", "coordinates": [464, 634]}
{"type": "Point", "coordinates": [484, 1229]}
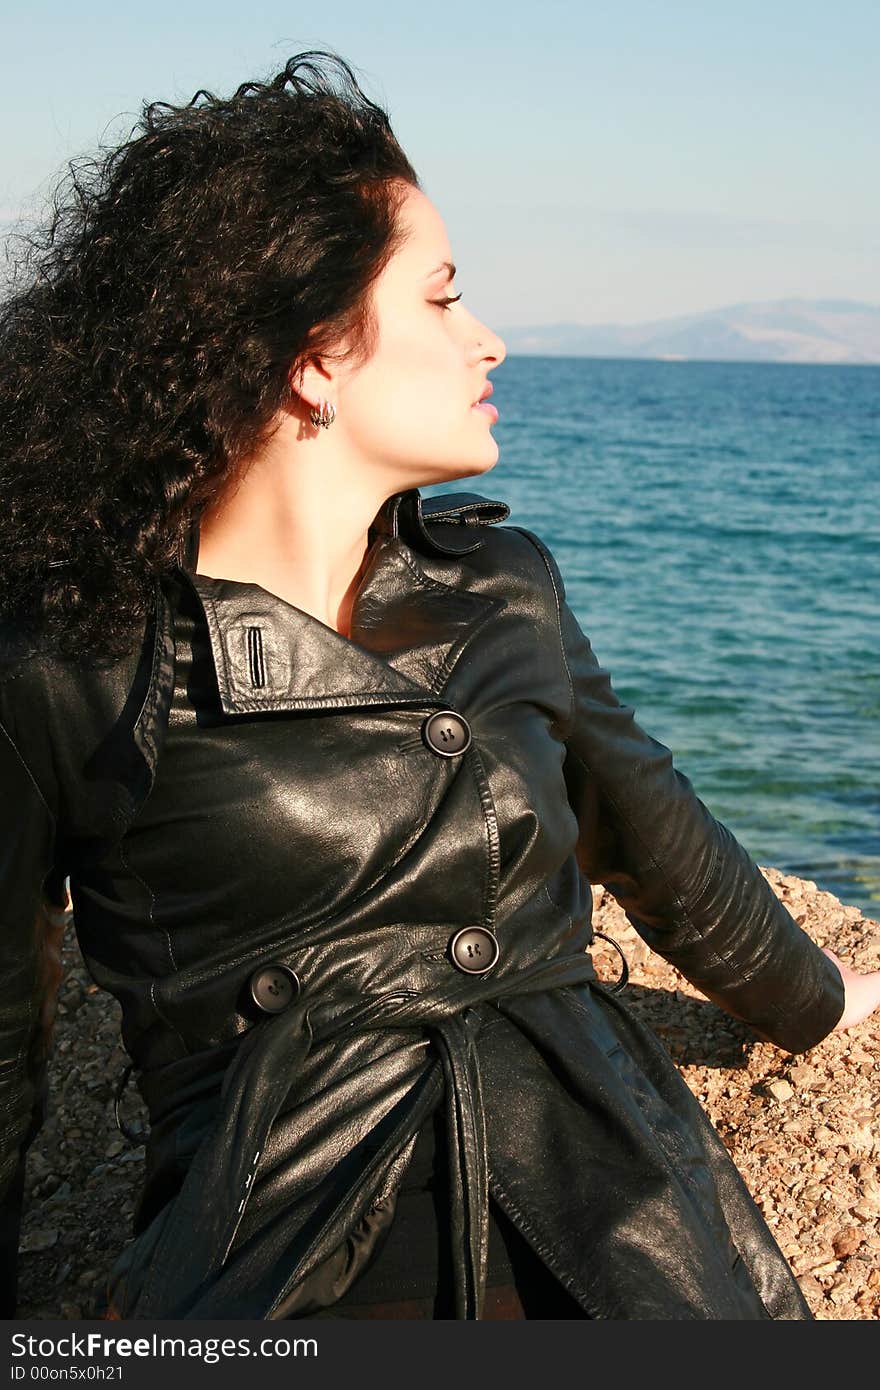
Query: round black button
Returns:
{"type": "Point", "coordinates": [474, 950]}
{"type": "Point", "coordinates": [273, 987]}
{"type": "Point", "coordinates": [446, 733]}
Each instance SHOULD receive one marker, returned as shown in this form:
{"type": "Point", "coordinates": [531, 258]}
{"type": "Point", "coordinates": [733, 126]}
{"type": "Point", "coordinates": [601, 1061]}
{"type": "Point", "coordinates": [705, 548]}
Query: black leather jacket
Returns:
{"type": "Point", "coordinates": [275, 838]}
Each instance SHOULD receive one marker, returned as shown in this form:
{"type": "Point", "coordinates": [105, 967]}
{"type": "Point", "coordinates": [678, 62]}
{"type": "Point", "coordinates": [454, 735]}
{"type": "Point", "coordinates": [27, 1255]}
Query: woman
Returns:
{"type": "Point", "coordinates": [331, 766]}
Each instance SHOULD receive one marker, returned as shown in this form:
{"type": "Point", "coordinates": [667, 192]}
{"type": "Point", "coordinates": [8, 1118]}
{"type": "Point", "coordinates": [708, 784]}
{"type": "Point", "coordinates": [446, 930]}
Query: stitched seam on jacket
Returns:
{"type": "Point", "coordinates": [493, 868]}
{"type": "Point", "coordinates": [368, 698]}
{"type": "Point", "coordinates": [152, 901]}
{"type": "Point", "coordinates": [157, 652]}
{"type": "Point", "coordinates": [222, 645]}
{"type": "Point", "coordinates": [560, 907]}
{"type": "Point", "coordinates": [558, 606]}
{"type": "Point", "coordinates": [545, 1252]}
{"type": "Point", "coordinates": [167, 1021]}
{"type": "Point", "coordinates": [30, 776]}
{"type": "Point", "coordinates": [425, 580]}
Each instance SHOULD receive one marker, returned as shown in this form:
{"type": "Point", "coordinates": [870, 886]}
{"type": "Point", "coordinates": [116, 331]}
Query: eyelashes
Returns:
{"type": "Point", "coordinates": [445, 303]}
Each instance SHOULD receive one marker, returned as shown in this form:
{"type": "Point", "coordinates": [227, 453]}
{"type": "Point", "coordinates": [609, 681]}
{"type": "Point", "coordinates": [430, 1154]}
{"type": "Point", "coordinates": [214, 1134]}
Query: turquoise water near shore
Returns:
{"type": "Point", "coordinates": [718, 529]}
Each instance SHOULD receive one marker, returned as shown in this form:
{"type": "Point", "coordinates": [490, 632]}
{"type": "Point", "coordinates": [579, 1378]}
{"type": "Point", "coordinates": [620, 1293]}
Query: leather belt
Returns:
{"type": "Point", "coordinates": [197, 1234]}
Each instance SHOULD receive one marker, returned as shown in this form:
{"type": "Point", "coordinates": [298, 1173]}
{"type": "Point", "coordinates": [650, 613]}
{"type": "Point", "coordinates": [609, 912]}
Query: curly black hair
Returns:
{"type": "Point", "coordinates": [183, 278]}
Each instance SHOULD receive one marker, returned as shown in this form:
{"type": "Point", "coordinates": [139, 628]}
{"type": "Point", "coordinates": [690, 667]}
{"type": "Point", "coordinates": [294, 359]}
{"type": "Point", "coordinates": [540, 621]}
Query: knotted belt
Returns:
{"type": "Point", "coordinates": [204, 1216]}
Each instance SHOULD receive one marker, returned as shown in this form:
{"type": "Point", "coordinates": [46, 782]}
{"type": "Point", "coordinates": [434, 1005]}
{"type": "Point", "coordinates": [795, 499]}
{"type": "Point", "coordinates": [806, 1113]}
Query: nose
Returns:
{"type": "Point", "coordinates": [488, 344]}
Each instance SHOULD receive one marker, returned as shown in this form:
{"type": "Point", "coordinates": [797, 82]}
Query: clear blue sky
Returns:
{"type": "Point", "coordinates": [593, 162]}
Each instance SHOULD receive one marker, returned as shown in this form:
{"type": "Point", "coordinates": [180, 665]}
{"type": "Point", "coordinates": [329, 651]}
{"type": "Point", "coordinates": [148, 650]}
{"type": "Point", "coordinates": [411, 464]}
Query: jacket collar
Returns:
{"type": "Point", "coordinates": [409, 629]}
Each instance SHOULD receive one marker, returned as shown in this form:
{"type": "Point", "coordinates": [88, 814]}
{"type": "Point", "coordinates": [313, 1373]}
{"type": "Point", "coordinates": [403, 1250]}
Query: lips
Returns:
{"type": "Point", "coordinates": [487, 391]}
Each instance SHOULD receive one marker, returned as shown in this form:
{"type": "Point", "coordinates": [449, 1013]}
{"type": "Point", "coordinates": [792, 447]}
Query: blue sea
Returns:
{"type": "Point", "coordinates": [718, 530]}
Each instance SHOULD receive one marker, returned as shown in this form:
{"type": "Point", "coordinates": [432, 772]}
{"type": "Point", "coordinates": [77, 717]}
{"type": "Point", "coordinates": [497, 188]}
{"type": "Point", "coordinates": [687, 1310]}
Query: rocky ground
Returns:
{"type": "Point", "coordinates": [802, 1130]}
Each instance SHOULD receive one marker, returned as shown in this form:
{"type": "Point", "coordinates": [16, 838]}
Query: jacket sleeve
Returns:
{"type": "Point", "coordinates": [31, 895]}
{"type": "Point", "coordinates": [685, 883]}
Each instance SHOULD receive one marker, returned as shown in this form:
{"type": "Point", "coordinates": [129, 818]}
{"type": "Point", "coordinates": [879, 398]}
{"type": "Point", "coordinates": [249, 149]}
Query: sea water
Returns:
{"type": "Point", "coordinates": [717, 526]}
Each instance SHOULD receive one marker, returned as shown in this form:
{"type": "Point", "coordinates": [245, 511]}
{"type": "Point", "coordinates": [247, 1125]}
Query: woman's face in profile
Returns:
{"type": "Point", "coordinates": [410, 408]}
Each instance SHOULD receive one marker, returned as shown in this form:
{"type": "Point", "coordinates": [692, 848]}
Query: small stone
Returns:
{"type": "Point", "coordinates": [780, 1089]}
{"type": "Point", "coordinates": [862, 1138]}
{"type": "Point", "coordinates": [840, 1293]}
{"type": "Point", "coordinates": [37, 1165]}
{"type": "Point", "coordinates": [846, 1241]}
{"type": "Point", "coordinates": [858, 1054]}
{"type": "Point", "coordinates": [811, 1288]}
{"type": "Point", "coordinates": [864, 1211]}
{"type": "Point", "coordinates": [71, 1311]}
{"type": "Point", "coordinates": [802, 1075]}
{"type": "Point", "coordinates": [47, 1186]}
{"type": "Point", "coordinates": [41, 1239]}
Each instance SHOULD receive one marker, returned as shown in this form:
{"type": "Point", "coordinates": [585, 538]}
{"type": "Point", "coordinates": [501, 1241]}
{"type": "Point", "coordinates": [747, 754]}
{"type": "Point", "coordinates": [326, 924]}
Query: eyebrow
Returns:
{"type": "Point", "coordinates": [444, 265]}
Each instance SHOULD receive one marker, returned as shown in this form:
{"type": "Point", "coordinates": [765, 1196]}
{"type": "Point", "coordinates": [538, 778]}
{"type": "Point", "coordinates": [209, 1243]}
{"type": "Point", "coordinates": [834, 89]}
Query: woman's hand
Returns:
{"type": "Point", "coordinates": [862, 993]}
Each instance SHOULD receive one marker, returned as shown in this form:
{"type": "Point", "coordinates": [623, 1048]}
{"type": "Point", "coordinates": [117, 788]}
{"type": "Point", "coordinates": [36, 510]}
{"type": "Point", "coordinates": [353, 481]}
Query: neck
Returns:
{"type": "Point", "coordinates": [297, 526]}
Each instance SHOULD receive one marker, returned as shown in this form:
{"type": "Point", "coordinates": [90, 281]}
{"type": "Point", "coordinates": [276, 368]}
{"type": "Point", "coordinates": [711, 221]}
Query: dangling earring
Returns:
{"type": "Point", "coordinates": [323, 414]}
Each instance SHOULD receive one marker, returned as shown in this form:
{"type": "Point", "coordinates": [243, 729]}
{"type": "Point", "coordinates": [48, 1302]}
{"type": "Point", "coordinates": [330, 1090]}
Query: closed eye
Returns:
{"type": "Point", "coordinates": [445, 303]}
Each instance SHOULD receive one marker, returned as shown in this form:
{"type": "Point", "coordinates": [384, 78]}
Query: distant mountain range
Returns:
{"type": "Point", "coordinates": [782, 330]}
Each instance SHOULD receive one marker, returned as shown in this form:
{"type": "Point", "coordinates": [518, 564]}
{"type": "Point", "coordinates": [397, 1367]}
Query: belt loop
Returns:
{"type": "Point", "coordinates": [621, 981]}
{"type": "Point", "coordinates": [134, 1136]}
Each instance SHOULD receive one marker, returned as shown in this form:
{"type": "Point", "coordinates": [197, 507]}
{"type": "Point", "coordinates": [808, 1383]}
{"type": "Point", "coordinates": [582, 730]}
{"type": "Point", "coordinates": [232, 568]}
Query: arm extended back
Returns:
{"type": "Point", "coordinates": [686, 884]}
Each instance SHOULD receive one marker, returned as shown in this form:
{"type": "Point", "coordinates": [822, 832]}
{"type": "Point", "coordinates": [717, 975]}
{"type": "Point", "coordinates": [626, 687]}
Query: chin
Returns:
{"type": "Point", "coordinates": [474, 471]}
{"type": "Point", "coordinates": [485, 467]}
{"type": "Point", "coordinates": [449, 471]}
{"type": "Point", "coordinates": [470, 468]}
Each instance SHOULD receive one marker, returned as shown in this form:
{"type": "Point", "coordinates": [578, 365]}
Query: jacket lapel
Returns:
{"type": "Point", "coordinates": [408, 629]}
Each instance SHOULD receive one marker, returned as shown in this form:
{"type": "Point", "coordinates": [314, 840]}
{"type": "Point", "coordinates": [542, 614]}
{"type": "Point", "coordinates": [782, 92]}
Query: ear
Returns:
{"type": "Point", "coordinates": [316, 379]}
